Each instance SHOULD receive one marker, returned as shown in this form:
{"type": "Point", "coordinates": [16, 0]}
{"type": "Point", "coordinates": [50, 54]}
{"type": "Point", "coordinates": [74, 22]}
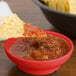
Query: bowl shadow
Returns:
{"type": "Point", "coordinates": [15, 71]}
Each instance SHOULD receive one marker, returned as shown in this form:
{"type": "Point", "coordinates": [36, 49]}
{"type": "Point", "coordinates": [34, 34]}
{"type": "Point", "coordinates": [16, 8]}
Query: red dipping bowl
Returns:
{"type": "Point", "coordinates": [39, 67]}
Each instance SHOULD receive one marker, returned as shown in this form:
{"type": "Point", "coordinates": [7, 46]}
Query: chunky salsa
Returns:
{"type": "Point", "coordinates": [46, 48]}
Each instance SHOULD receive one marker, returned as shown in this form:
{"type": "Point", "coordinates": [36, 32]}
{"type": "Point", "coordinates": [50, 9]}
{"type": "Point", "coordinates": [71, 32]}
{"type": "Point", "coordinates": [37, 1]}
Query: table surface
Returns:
{"type": "Point", "coordinates": [31, 13]}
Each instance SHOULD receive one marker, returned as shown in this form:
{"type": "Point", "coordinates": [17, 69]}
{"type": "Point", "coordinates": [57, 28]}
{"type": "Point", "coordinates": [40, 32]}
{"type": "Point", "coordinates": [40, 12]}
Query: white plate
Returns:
{"type": "Point", "coordinates": [3, 39]}
{"type": "Point", "coordinates": [5, 9]}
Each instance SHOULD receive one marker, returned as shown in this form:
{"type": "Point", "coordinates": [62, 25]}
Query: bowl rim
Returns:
{"type": "Point", "coordinates": [37, 2]}
{"type": "Point", "coordinates": [48, 32]}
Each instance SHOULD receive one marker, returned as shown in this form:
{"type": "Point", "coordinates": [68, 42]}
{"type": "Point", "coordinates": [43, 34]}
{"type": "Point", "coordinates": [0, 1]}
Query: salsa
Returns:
{"type": "Point", "coordinates": [46, 48]}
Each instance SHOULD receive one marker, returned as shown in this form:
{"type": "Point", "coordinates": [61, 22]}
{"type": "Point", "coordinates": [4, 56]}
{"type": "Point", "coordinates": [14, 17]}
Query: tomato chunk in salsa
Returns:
{"type": "Point", "coordinates": [47, 48]}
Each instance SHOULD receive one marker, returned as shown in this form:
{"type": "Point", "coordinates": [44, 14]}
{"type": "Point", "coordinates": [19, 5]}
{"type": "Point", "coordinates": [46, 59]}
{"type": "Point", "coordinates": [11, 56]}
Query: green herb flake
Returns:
{"type": "Point", "coordinates": [47, 46]}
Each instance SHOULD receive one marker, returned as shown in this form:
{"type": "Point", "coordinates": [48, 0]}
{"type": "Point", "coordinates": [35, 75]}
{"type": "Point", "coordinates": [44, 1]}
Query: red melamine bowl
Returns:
{"type": "Point", "coordinates": [39, 67]}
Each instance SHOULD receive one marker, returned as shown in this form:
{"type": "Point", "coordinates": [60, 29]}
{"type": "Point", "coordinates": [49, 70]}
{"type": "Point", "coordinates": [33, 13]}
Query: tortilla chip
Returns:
{"type": "Point", "coordinates": [72, 4]}
{"type": "Point", "coordinates": [63, 5]}
{"type": "Point", "coordinates": [52, 3]}
{"type": "Point", "coordinates": [45, 1]}
{"type": "Point", "coordinates": [67, 7]}
{"type": "Point", "coordinates": [60, 5]}
{"type": "Point", "coordinates": [12, 26]}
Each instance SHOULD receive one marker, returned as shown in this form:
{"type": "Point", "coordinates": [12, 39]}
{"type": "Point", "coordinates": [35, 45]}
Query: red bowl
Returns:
{"type": "Point", "coordinates": [39, 67]}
